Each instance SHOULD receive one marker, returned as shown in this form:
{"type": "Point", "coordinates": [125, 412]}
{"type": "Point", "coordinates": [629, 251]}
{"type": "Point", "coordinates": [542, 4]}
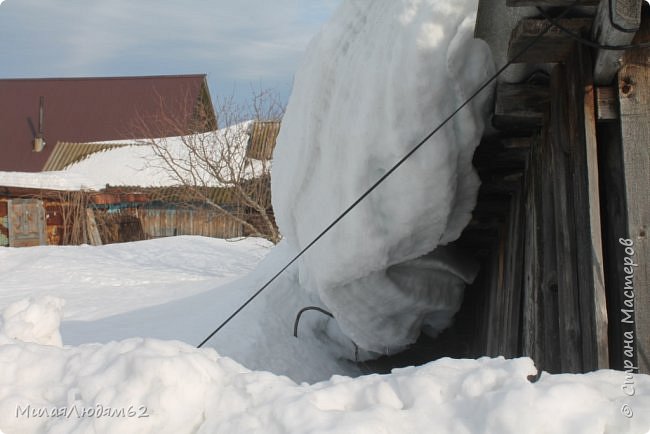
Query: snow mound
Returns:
{"type": "Point", "coordinates": [33, 320]}
{"type": "Point", "coordinates": [379, 77]}
{"type": "Point", "coordinates": [153, 386]}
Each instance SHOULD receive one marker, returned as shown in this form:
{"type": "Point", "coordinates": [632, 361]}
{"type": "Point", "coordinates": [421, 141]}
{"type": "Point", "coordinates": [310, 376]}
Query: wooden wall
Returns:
{"type": "Point", "coordinates": [165, 222]}
{"type": "Point", "coordinates": [566, 281]}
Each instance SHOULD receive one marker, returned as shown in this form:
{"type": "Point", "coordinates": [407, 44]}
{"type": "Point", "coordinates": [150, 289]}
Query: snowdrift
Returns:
{"type": "Point", "coordinates": [374, 82]}
{"type": "Point", "coordinates": [152, 386]}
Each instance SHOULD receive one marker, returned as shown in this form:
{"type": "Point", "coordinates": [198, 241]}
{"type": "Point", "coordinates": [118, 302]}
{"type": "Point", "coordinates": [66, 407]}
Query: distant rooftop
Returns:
{"type": "Point", "coordinates": [93, 109]}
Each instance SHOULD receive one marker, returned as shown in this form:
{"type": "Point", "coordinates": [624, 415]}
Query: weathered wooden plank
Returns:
{"type": "Point", "coordinates": [634, 97]}
{"type": "Point", "coordinates": [606, 103]}
{"type": "Point", "coordinates": [93, 231]}
{"type": "Point", "coordinates": [513, 277]}
{"type": "Point", "coordinates": [532, 342]}
{"type": "Point", "coordinates": [553, 47]}
{"type": "Point", "coordinates": [564, 226]}
{"type": "Point", "coordinates": [519, 106]}
{"type": "Point", "coordinates": [583, 318]}
{"type": "Point", "coordinates": [614, 27]}
{"type": "Point", "coordinates": [494, 313]}
{"type": "Point", "coordinates": [599, 299]}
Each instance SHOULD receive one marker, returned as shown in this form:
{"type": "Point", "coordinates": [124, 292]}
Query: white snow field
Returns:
{"type": "Point", "coordinates": [102, 339]}
{"type": "Point", "coordinates": [147, 385]}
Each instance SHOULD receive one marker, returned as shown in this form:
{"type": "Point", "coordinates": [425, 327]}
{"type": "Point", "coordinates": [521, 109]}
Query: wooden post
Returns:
{"type": "Point", "coordinates": [634, 97]}
{"type": "Point", "coordinates": [93, 231]}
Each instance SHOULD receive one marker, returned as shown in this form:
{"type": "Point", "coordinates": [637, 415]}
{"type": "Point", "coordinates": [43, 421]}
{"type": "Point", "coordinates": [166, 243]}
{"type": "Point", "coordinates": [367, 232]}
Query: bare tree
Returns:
{"type": "Point", "coordinates": [224, 169]}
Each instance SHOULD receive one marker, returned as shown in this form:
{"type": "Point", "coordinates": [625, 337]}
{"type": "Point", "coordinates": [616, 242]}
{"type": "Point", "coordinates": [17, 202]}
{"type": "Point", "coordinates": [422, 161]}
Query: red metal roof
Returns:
{"type": "Point", "coordinates": [89, 110]}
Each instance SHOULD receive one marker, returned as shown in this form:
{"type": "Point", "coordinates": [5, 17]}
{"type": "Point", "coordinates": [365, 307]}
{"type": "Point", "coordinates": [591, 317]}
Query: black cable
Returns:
{"type": "Point", "coordinates": [303, 310]}
{"type": "Point", "coordinates": [383, 178]}
{"type": "Point", "coordinates": [586, 41]}
{"type": "Point", "coordinates": [321, 310]}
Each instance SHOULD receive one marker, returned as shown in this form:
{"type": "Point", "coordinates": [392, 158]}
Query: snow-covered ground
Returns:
{"type": "Point", "coordinates": [97, 282]}
{"type": "Point", "coordinates": [123, 357]}
{"type": "Point", "coordinates": [146, 385]}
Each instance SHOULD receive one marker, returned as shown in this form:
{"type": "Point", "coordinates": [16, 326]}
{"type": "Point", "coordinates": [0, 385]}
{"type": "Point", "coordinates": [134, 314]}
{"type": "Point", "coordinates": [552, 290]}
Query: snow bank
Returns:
{"type": "Point", "coordinates": [103, 281]}
{"type": "Point", "coordinates": [151, 386]}
{"type": "Point", "coordinates": [33, 320]}
{"type": "Point", "coordinates": [374, 82]}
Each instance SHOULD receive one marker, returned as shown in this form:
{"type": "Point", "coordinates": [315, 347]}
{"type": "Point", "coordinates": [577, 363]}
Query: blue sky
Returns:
{"type": "Point", "coordinates": [238, 43]}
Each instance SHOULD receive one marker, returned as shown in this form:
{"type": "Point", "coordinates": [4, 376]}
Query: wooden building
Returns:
{"type": "Point", "coordinates": [37, 217]}
{"type": "Point", "coordinates": [561, 225]}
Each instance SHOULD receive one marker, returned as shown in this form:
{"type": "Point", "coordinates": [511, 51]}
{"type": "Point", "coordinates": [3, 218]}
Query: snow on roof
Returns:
{"type": "Point", "coordinates": [48, 181]}
{"type": "Point", "coordinates": [128, 165]}
{"type": "Point", "coordinates": [139, 164]}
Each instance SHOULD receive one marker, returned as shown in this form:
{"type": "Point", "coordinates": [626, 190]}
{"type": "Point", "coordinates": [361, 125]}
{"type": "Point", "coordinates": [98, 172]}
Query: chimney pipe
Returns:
{"type": "Point", "coordinates": [39, 142]}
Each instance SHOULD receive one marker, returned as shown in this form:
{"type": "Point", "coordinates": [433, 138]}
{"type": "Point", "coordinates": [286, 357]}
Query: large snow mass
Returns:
{"type": "Point", "coordinates": [374, 82]}
{"type": "Point", "coordinates": [152, 386]}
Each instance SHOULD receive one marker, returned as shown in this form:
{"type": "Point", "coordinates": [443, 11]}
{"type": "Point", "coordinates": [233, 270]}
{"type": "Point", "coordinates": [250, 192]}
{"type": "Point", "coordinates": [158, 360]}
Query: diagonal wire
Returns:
{"type": "Point", "coordinates": [383, 178]}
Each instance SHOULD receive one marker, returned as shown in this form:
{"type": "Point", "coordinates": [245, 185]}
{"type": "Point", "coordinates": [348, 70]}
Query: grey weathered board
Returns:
{"type": "Point", "coordinates": [520, 105]}
{"type": "Point", "coordinates": [26, 221]}
{"type": "Point", "coordinates": [634, 97]}
{"type": "Point", "coordinates": [553, 47]}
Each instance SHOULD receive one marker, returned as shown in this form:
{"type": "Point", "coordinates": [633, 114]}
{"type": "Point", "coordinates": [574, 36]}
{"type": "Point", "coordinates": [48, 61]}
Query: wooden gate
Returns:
{"type": "Point", "coordinates": [26, 218]}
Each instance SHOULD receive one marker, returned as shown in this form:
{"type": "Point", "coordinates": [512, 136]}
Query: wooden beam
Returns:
{"type": "Point", "coordinates": [634, 97]}
{"type": "Point", "coordinates": [553, 47]}
{"type": "Point", "coordinates": [519, 106]}
{"type": "Point", "coordinates": [614, 26]}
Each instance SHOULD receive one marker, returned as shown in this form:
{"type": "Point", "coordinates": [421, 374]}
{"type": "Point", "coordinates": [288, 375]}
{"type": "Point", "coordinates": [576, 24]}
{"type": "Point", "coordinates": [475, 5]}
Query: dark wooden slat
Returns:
{"type": "Point", "coordinates": [553, 47]}
{"type": "Point", "coordinates": [520, 106]}
{"type": "Point", "coordinates": [583, 318]}
{"type": "Point", "coordinates": [533, 319]}
{"type": "Point", "coordinates": [563, 227]}
{"type": "Point", "coordinates": [615, 219]}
